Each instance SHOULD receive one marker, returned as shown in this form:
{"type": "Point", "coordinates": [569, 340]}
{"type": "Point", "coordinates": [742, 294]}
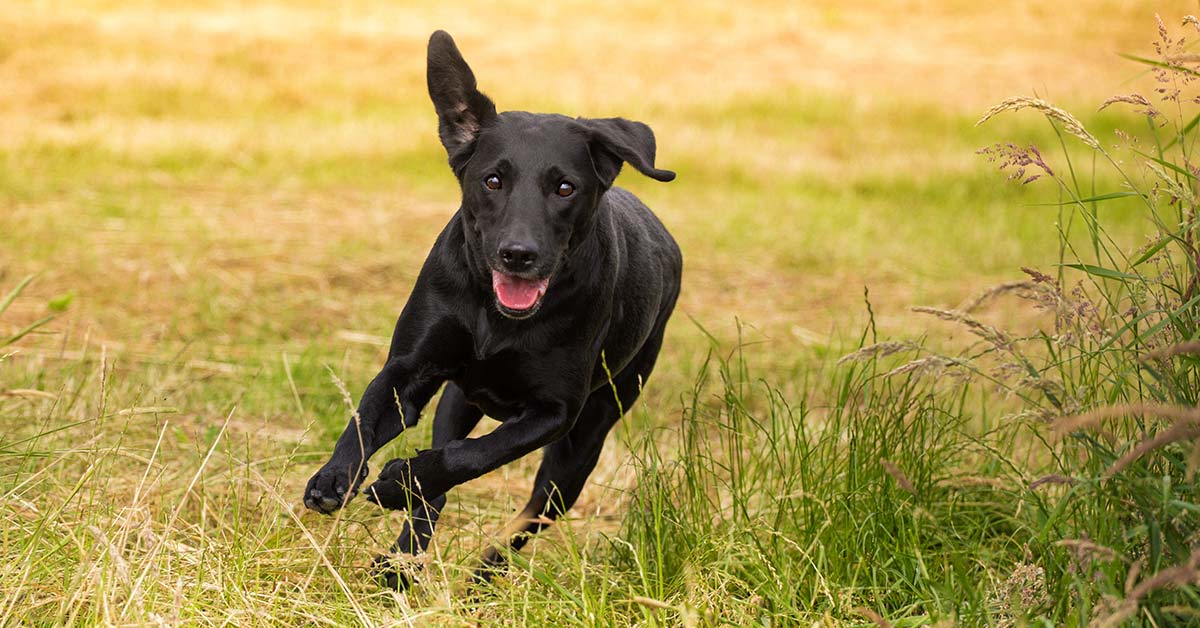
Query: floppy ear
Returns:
{"type": "Point", "coordinates": [461, 108]}
{"type": "Point", "coordinates": [614, 141]}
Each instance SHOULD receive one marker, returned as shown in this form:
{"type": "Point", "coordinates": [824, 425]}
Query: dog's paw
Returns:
{"type": "Point", "coordinates": [397, 573]}
{"type": "Point", "coordinates": [405, 482]}
{"type": "Point", "coordinates": [395, 488]}
{"type": "Point", "coordinates": [332, 487]}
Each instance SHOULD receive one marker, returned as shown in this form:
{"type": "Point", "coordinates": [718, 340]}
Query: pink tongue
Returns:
{"type": "Point", "coordinates": [515, 293]}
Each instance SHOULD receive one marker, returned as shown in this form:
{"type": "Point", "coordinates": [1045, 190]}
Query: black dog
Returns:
{"type": "Point", "coordinates": [542, 305]}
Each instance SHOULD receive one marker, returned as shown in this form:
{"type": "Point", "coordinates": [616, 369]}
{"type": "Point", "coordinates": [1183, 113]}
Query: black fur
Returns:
{"type": "Point", "coordinates": [613, 276]}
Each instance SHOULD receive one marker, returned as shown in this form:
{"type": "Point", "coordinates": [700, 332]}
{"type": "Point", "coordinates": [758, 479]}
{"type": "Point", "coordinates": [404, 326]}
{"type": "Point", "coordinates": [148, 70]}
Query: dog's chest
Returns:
{"type": "Point", "coordinates": [498, 385]}
{"type": "Point", "coordinates": [504, 383]}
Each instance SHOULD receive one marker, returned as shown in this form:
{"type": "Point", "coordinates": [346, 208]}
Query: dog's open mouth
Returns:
{"type": "Point", "coordinates": [518, 297]}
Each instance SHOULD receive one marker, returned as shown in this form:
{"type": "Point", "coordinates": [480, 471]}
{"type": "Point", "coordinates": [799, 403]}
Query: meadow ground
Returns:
{"type": "Point", "coordinates": [225, 206]}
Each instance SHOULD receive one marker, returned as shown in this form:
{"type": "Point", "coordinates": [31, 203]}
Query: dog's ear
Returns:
{"type": "Point", "coordinates": [462, 109]}
{"type": "Point", "coordinates": [614, 141]}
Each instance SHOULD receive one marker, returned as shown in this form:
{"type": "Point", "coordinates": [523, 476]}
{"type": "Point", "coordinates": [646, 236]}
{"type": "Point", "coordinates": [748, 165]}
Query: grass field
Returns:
{"type": "Point", "coordinates": [223, 208]}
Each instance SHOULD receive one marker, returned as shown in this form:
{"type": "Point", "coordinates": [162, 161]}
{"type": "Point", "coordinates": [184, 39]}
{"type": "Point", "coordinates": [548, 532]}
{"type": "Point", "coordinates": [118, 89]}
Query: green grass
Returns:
{"type": "Point", "coordinates": [220, 209]}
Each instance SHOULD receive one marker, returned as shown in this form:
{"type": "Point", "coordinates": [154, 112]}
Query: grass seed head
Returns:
{"type": "Point", "coordinates": [1022, 593]}
{"type": "Point", "coordinates": [1137, 100]}
{"type": "Point", "coordinates": [1183, 348]}
{"type": "Point", "coordinates": [878, 350]}
{"type": "Point", "coordinates": [932, 365]}
{"type": "Point", "coordinates": [994, 336]}
{"type": "Point", "coordinates": [1016, 159]}
{"type": "Point", "coordinates": [1020, 287]}
{"type": "Point", "coordinates": [1094, 418]}
{"type": "Point", "coordinates": [1053, 478]}
{"type": "Point", "coordinates": [1069, 123]}
{"type": "Point", "coordinates": [1179, 432]}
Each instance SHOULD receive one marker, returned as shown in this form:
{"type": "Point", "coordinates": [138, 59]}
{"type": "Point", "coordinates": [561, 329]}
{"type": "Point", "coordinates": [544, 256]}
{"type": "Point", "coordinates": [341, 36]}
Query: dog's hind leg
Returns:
{"type": "Point", "coordinates": [453, 420]}
{"type": "Point", "coordinates": [567, 462]}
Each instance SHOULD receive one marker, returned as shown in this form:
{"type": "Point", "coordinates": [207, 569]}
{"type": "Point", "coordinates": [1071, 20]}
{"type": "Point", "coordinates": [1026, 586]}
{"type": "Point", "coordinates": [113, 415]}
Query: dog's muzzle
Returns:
{"type": "Point", "coordinates": [518, 297]}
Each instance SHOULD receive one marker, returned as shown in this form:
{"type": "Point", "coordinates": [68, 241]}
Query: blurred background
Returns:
{"type": "Point", "coordinates": [229, 175]}
{"type": "Point", "coordinates": [224, 201]}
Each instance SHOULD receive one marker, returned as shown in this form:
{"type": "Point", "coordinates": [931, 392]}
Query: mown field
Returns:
{"type": "Point", "coordinates": [223, 207]}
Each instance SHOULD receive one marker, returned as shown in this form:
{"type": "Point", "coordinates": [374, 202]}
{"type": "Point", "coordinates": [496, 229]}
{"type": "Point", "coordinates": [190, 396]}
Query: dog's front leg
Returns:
{"type": "Point", "coordinates": [379, 419]}
{"type": "Point", "coordinates": [405, 481]}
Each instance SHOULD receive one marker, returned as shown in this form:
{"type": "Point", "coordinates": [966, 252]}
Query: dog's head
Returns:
{"type": "Point", "coordinates": [530, 182]}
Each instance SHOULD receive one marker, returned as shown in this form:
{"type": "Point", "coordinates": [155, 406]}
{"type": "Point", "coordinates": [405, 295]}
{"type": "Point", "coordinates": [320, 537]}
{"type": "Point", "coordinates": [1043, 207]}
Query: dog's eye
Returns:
{"type": "Point", "coordinates": [565, 189]}
{"type": "Point", "coordinates": [493, 182]}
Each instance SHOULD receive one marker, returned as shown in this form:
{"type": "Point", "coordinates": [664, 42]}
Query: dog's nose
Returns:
{"type": "Point", "coordinates": [518, 258]}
